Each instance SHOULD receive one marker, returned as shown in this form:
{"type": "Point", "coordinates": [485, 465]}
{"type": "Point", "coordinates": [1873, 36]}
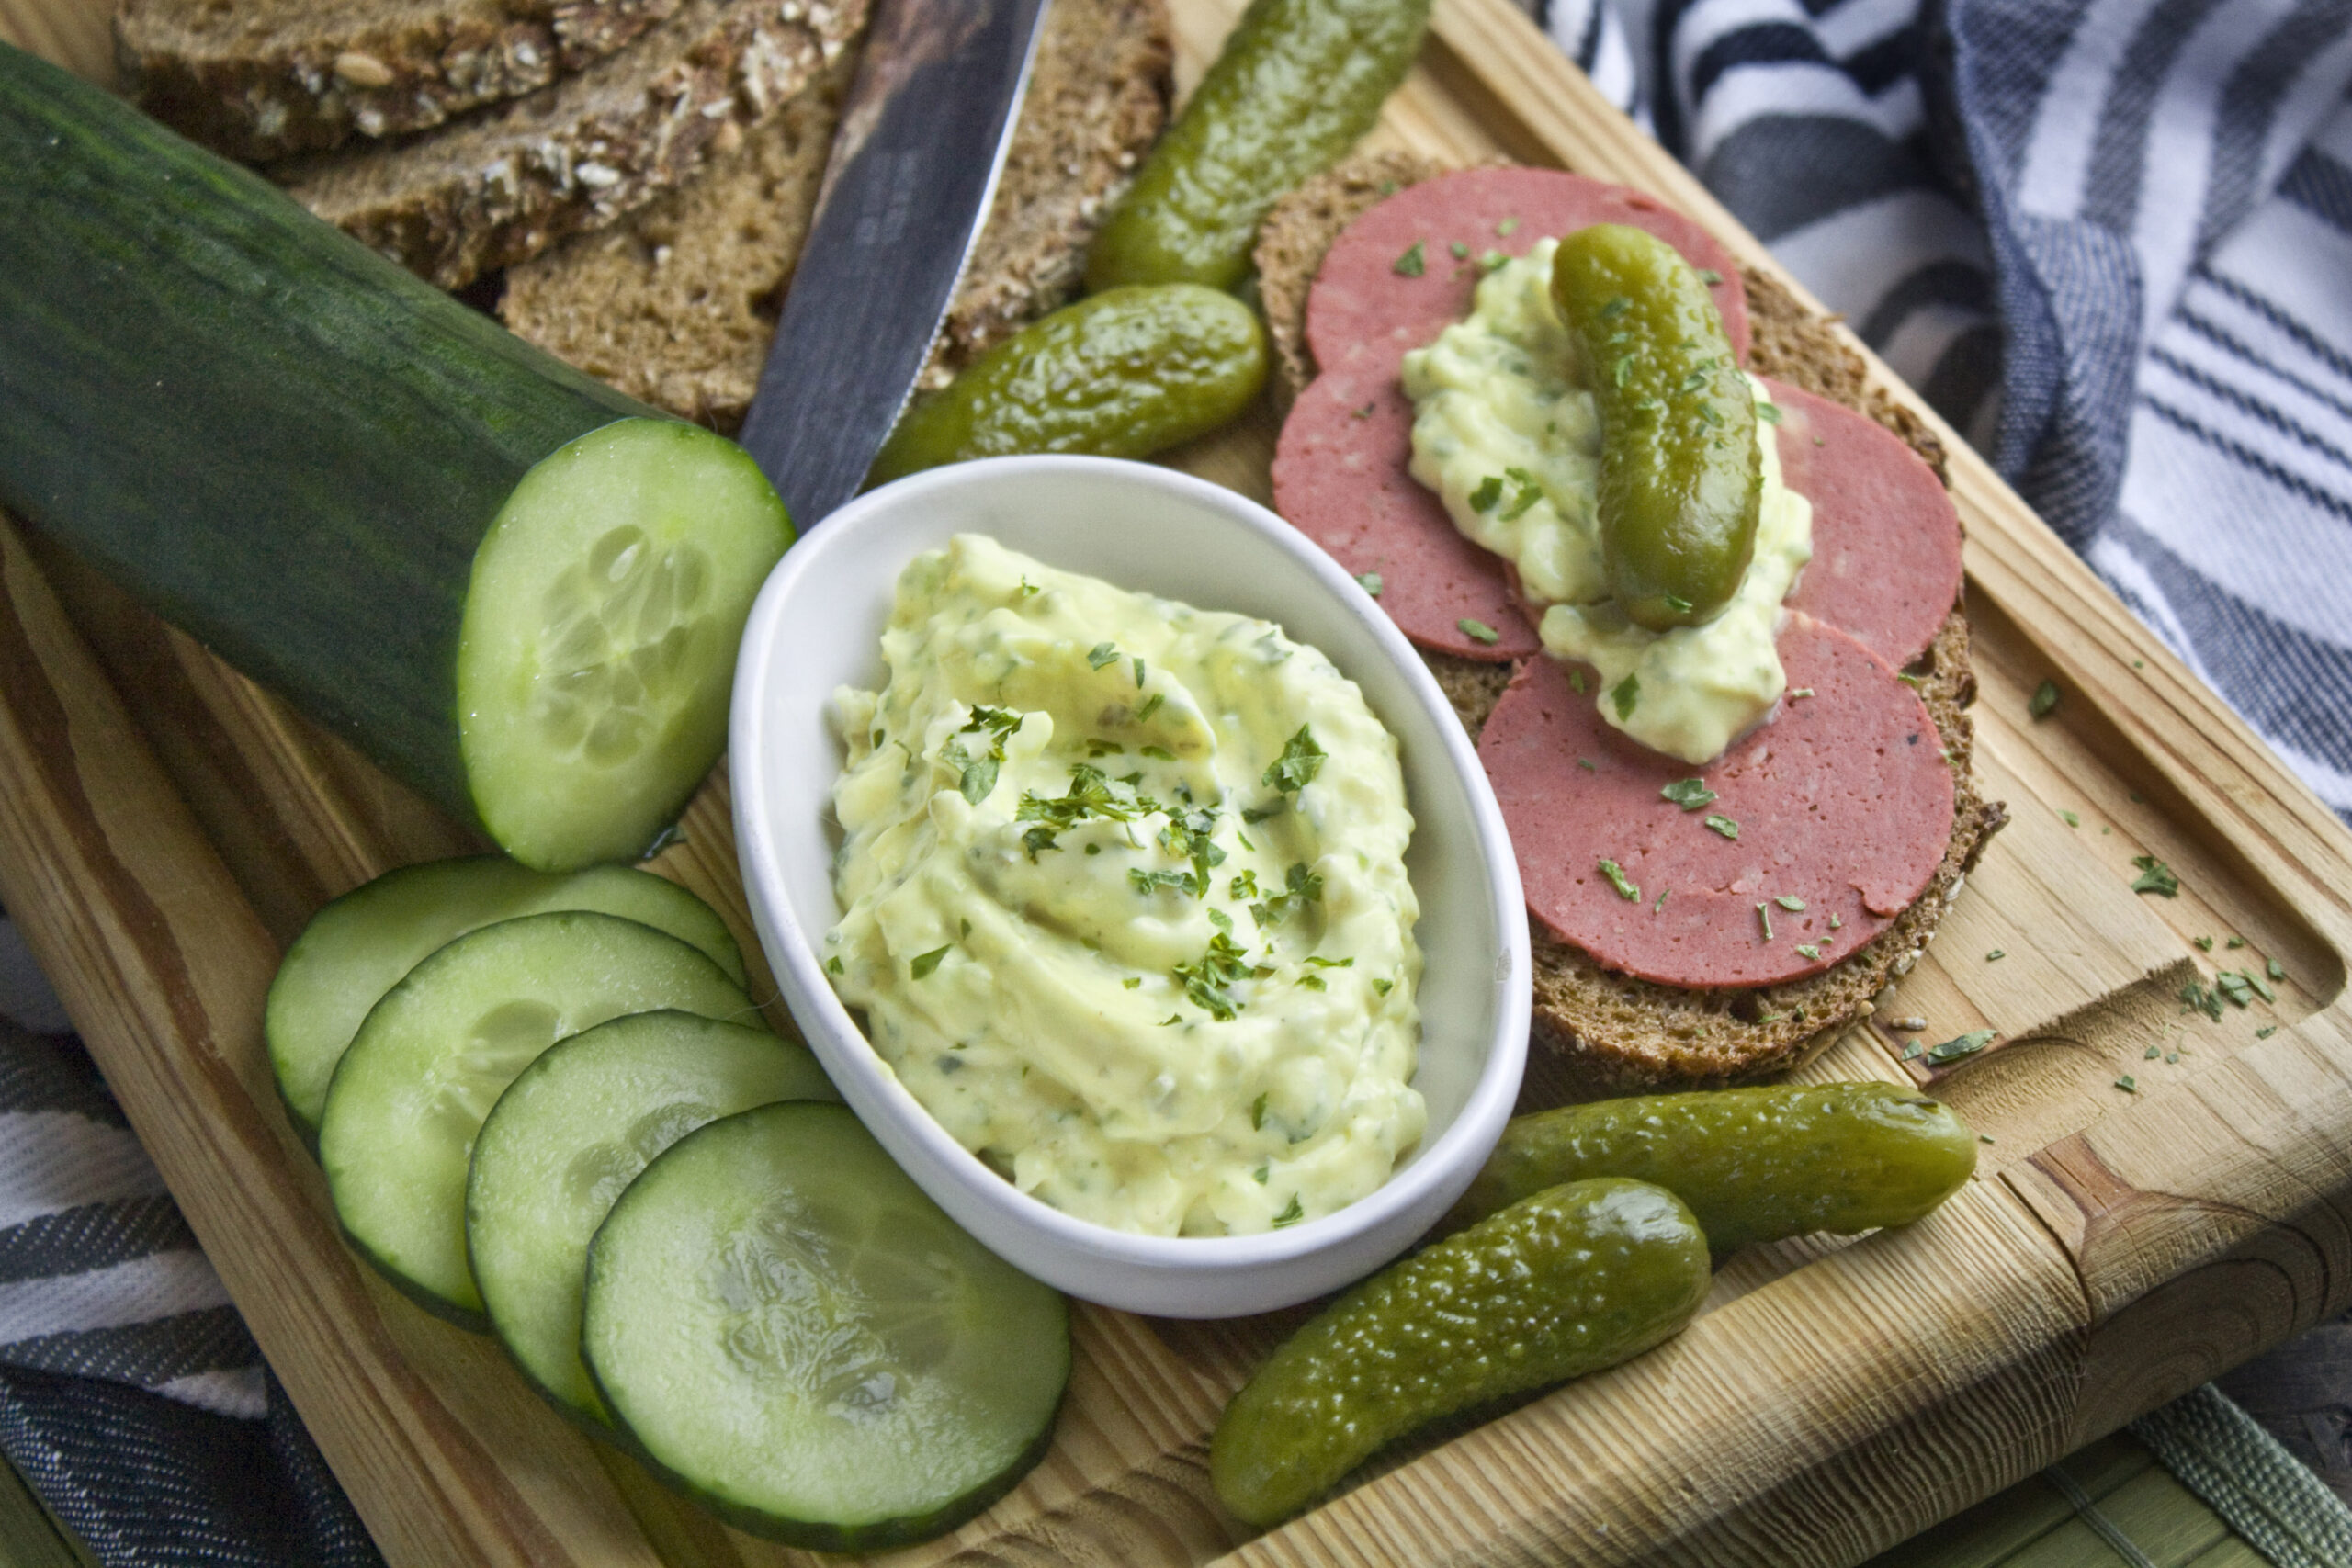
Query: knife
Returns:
{"type": "Point", "coordinates": [923, 139]}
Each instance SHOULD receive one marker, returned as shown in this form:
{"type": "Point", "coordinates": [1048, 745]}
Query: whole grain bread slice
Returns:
{"type": "Point", "coordinates": [501, 186]}
{"type": "Point", "coordinates": [1610, 1032]}
{"type": "Point", "coordinates": [264, 80]}
{"type": "Point", "coordinates": [676, 304]}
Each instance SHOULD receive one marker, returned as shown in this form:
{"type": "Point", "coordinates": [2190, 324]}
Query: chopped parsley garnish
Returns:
{"type": "Point", "coordinates": [2044, 701]}
{"type": "Point", "coordinates": [1791, 902]}
{"type": "Point", "coordinates": [2152, 1052]}
{"type": "Point", "coordinates": [1381, 988]}
{"type": "Point", "coordinates": [1769, 412]}
{"type": "Point", "coordinates": [1798, 692]}
{"type": "Point", "coordinates": [1150, 706]}
{"type": "Point", "coordinates": [1688, 794]}
{"type": "Point", "coordinates": [1710, 277]}
{"type": "Point", "coordinates": [1588, 765]}
{"type": "Point", "coordinates": [1723, 825]}
{"type": "Point", "coordinates": [1158, 753]}
{"type": "Point", "coordinates": [2196, 997]}
{"type": "Point", "coordinates": [1291, 1215]}
{"type": "Point", "coordinates": [2237, 989]}
{"type": "Point", "coordinates": [1330, 963]}
{"type": "Point", "coordinates": [2202, 944]}
{"type": "Point", "coordinates": [1659, 907]}
{"type": "Point", "coordinates": [1244, 886]}
{"type": "Point", "coordinates": [1037, 838]}
{"type": "Point", "coordinates": [1996, 955]}
{"type": "Point", "coordinates": [1302, 887]}
{"type": "Point", "coordinates": [1491, 260]}
{"type": "Point", "coordinates": [1258, 1113]}
{"type": "Point", "coordinates": [1625, 693]}
{"type": "Point", "coordinates": [1503, 230]}
{"type": "Point", "coordinates": [1102, 653]}
{"type": "Point", "coordinates": [1098, 747]}
{"type": "Point", "coordinates": [1296, 767]}
{"type": "Point", "coordinates": [1370, 582]}
{"type": "Point", "coordinates": [1413, 262]}
{"type": "Point", "coordinates": [1132, 981]}
{"type": "Point", "coordinates": [1152, 881]}
{"type": "Point", "coordinates": [1809, 950]}
{"type": "Point", "coordinates": [2068, 818]}
{"type": "Point", "coordinates": [2154, 876]}
{"type": "Point", "coordinates": [1204, 983]}
{"type": "Point", "coordinates": [1764, 918]}
{"type": "Point", "coordinates": [1138, 662]}
{"type": "Point", "coordinates": [1488, 493]}
{"type": "Point", "coordinates": [1460, 251]}
{"type": "Point", "coordinates": [2275, 969]}
{"type": "Point", "coordinates": [1191, 835]}
{"type": "Point", "coordinates": [1312, 983]}
{"type": "Point", "coordinates": [1528, 493]}
{"type": "Point", "coordinates": [1027, 587]}
{"type": "Point", "coordinates": [1678, 603]}
{"type": "Point", "coordinates": [926, 962]}
{"type": "Point", "coordinates": [1090, 796]}
{"type": "Point", "coordinates": [1478, 631]}
{"type": "Point", "coordinates": [1626, 890]}
{"type": "Point", "coordinates": [1960, 1045]}
{"type": "Point", "coordinates": [2128, 1084]}
{"type": "Point", "coordinates": [1255, 814]}
{"type": "Point", "coordinates": [833, 964]}
{"type": "Point", "coordinates": [2265, 1031]}
{"type": "Point", "coordinates": [2234, 943]}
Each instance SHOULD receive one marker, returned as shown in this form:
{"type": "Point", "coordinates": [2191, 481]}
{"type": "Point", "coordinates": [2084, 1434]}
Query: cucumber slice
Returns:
{"type": "Point", "coordinates": [433, 1057]}
{"type": "Point", "coordinates": [569, 1134]}
{"type": "Point", "coordinates": [597, 648]}
{"type": "Point", "coordinates": [358, 948]}
{"type": "Point", "coordinates": [798, 1337]}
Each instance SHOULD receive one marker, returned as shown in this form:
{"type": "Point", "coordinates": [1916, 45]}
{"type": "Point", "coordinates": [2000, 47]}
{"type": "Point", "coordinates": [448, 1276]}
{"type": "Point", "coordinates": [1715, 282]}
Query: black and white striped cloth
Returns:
{"type": "Point", "coordinates": [2109, 240]}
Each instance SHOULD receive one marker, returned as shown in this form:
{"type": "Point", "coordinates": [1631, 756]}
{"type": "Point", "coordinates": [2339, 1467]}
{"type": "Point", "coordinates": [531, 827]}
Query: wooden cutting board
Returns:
{"type": "Point", "coordinates": [2160, 1194]}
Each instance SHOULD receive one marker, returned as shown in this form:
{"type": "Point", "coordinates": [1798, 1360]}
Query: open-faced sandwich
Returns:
{"type": "Point", "coordinates": [1735, 828]}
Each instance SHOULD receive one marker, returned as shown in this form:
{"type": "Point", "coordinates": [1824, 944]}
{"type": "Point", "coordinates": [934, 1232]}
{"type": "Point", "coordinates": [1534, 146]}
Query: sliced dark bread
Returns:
{"type": "Point", "coordinates": [1614, 1032]}
{"type": "Point", "coordinates": [676, 304]}
{"type": "Point", "coordinates": [501, 186]}
{"type": "Point", "coordinates": [262, 80]}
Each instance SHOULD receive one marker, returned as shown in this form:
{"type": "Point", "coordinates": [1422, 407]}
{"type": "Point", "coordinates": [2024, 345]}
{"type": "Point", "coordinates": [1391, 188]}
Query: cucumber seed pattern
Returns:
{"type": "Point", "coordinates": [623, 638]}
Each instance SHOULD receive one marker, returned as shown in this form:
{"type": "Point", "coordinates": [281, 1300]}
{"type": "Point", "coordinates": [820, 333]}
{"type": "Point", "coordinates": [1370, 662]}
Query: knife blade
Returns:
{"type": "Point", "coordinates": [923, 139]}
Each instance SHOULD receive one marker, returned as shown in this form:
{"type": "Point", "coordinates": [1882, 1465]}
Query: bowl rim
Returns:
{"type": "Point", "coordinates": [1452, 1157]}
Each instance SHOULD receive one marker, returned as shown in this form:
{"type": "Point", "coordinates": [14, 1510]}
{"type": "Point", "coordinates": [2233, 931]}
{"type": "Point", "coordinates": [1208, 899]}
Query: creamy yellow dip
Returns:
{"type": "Point", "coordinates": [1505, 432]}
{"type": "Point", "coordinates": [1127, 901]}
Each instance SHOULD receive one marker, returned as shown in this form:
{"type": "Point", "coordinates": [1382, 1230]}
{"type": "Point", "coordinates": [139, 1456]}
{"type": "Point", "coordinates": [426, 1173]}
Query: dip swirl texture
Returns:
{"type": "Point", "coordinates": [1127, 902]}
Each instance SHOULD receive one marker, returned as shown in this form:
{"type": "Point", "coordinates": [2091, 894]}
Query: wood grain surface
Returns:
{"type": "Point", "coordinates": [166, 828]}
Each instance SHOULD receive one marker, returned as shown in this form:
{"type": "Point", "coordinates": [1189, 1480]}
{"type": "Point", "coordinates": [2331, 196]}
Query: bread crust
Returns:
{"type": "Point", "coordinates": [260, 82]}
{"type": "Point", "coordinates": [1611, 1033]}
{"type": "Point", "coordinates": [500, 186]}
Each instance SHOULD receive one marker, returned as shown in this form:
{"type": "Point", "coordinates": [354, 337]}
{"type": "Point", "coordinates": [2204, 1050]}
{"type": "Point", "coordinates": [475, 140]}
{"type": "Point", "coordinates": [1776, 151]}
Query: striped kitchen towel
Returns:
{"type": "Point", "coordinates": [131, 1396]}
{"type": "Point", "coordinates": [2109, 239]}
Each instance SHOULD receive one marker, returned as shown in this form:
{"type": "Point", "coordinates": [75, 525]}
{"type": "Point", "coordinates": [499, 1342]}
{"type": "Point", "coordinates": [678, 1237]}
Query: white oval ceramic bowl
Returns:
{"type": "Point", "coordinates": [818, 625]}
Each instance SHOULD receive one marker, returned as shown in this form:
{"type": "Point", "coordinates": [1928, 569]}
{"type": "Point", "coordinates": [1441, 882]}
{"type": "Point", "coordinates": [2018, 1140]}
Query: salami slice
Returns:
{"type": "Point", "coordinates": [1825, 824]}
{"type": "Point", "coordinates": [1885, 539]}
{"type": "Point", "coordinates": [1362, 304]}
{"type": "Point", "coordinates": [1341, 478]}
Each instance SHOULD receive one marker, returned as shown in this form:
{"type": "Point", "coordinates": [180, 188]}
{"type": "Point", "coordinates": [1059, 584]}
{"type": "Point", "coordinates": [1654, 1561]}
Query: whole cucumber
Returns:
{"type": "Point", "coordinates": [1754, 1164]}
{"type": "Point", "coordinates": [1125, 374]}
{"type": "Point", "coordinates": [1575, 1279]}
{"type": "Point", "coordinates": [1296, 85]}
{"type": "Point", "coordinates": [1682, 475]}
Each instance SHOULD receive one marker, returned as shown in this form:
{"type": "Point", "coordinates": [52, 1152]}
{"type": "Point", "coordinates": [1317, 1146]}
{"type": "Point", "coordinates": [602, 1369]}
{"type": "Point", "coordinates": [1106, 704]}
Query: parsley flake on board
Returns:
{"type": "Point", "coordinates": [2154, 876]}
{"type": "Point", "coordinates": [1960, 1045]}
{"type": "Point", "coordinates": [1995, 956]}
{"type": "Point", "coordinates": [2128, 1084]}
{"type": "Point", "coordinates": [1296, 767]}
{"type": "Point", "coordinates": [1413, 262]}
{"type": "Point", "coordinates": [1688, 794]}
{"type": "Point", "coordinates": [2044, 701]}
{"type": "Point", "coordinates": [2265, 1031]}
{"type": "Point", "coordinates": [1626, 890]}
{"type": "Point", "coordinates": [925, 963]}
{"type": "Point", "coordinates": [1478, 631]}
{"type": "Point", "coordinates": [1625, 693]}
{"type": "Point", "coordinates": [2068, 818]}
{"type": "Point", "coordinates": [2275, 969]}
{"type": "Point", "coordinates": [2202, 944]}
{"type": "Point", "coordinates": [1723, 825]}
{"type": "Point", "coordinates": [2152, 1052]}
{"type": "Point", "coordinates": [1370, 582]}
{"type": "Point", "coordinates": [2196, 997]}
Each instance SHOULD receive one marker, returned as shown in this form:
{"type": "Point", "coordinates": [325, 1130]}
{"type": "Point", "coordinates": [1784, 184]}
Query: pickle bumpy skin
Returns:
{"type": "Point", "coordinates": [1575, 1279]}
{"type": "Point", "coordinates": [1680, 474]}
{"type": "Point", "coordinates": [1296, 85]}
{"type": "Point", "coordinates": [1754, 1164]}
{"type": "Point", "coordinates": [1125, 374]}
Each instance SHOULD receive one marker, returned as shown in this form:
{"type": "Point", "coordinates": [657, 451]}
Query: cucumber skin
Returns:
{"type": "Point", "coordinates": [280, 441]}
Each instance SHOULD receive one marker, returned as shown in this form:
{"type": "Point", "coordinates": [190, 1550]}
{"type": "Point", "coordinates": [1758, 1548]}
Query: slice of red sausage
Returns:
{"type": "Point", "coordinates": [1842, 807]}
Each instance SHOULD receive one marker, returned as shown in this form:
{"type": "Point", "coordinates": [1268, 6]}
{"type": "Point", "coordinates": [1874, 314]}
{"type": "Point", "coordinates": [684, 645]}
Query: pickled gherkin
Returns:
{"type": "Point", "coordinates": [1753, 1164]}
{"type": "Point", "coordinates": [1577, 1278]}
{"type": "Point", "coordinates": [1296, 85]}
{"type": "Point", "coordinates": [1125, 374]}
{"type": "Point", "coordinates": [1681, 477]}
